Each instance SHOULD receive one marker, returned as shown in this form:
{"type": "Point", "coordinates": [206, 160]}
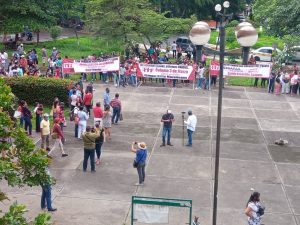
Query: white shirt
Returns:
{"type": "Point", "coordinates": [201, 72]}
{"type": "Point", "coordinates": [294, 79]}
{"type": "Point", "coordinates": [191, 123]}
{"type": "Point", "coordinates": [174, 46]}
{"type": "Point", "coordinates": [73, 99]}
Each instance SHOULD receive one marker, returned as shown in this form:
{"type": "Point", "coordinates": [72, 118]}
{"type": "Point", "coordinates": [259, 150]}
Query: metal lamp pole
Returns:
{"type": "Point", "coordinates": [219, 116]}
{"type": "Point", "coordinates": [198, 53]}
{"type": "Point", "coordinates": [246, 51]}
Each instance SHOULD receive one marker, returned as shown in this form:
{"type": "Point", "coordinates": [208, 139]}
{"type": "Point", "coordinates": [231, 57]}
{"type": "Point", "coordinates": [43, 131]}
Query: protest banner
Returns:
{"type": "Point", "coordinates": [78, 66]}
{"type": "Point", "coordinates": [67, 66]}
{"type": "Point", "coordinates": [167, 71]}
{"type": "Point", "coordinates": [237, 70]}
{"type": "Point", "coordinates": [214, 68]}
{"type": "Point", "coordinates": [257, 70]}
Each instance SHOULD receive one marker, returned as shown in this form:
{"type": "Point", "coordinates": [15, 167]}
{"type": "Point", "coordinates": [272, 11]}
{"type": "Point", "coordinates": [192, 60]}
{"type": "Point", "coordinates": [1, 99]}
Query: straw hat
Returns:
{"type": "Point", "coordinates": [142, 145]}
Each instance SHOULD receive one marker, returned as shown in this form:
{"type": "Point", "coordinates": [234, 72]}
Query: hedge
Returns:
{"type": "Point", "coordinates": [42, 90]}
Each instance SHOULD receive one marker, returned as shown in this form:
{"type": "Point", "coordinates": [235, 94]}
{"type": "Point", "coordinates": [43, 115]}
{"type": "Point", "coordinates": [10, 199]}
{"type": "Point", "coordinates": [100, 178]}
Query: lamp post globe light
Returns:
{"type": "Point", "coordinates": [199, 36]}
{"type": "Point", "coordinates": [246, 36]}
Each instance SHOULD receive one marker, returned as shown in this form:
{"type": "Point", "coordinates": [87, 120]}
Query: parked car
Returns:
{"type": "Point", "coordinates": [264, 54]}
{"type": "Point", "coordinates": [184, 42]}
{"type": "Point", "coordinates": [296, 54]}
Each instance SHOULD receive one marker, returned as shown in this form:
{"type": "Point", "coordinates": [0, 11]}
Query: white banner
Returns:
{"type": "Point", "coordinates": [151, 214]}
{"type": "Point", "coordinates": [257, 70]}
{"type": "Point", "coordinates": [167, 71]}
{"type": "Point", "coordinates": [107, 65]}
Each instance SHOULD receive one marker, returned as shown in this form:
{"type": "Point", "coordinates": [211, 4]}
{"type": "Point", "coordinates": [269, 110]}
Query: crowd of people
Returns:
{"type": "Point", "coordinates": [283, 80]}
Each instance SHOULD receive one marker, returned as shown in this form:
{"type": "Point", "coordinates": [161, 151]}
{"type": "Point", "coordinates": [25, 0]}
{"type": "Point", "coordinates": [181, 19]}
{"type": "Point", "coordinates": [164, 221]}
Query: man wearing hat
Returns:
{"type": "Point", "coordinates": [191, 123]}
{"type": "Point", "coordinates": [45, 131]}
{"type": "Point", "coordinates": [140, 160]}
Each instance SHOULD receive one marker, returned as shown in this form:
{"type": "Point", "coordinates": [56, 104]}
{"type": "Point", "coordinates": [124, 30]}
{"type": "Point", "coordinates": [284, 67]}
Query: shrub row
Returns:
{"type": "Point", "coordinates": [42, 90]}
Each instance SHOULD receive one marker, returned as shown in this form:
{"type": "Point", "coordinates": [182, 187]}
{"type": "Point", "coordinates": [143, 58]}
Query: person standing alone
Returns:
{"type": "Point", "coordinates": [167, 119]}
{"type": "Point", "coordinates": [191, 123]}
{"type": "Point", "coordinates": [174, 47]}
{"type": "Point", "coordinates": [140, 160]}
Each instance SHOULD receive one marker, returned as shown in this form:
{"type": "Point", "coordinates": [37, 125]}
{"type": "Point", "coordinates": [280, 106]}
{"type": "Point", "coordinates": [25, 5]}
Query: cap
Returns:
{"type": "Point", "coordinates": [46, 115]}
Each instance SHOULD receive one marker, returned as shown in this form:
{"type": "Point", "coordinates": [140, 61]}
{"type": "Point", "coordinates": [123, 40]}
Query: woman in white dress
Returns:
{"type": "Point", "coordinates": [254, 209]}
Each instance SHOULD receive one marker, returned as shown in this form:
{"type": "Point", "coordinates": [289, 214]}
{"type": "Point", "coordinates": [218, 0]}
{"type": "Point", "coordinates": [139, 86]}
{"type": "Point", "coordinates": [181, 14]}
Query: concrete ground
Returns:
{"type": "Point", "coordinates": [252, 121]}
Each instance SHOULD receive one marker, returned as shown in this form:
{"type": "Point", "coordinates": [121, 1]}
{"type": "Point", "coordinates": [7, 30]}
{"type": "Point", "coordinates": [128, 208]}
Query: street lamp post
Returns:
{"type": "Point", "coordinates": [247, 36]}
{"type": "Point", "coordinates": [218, 9]}
{"type": "Point", "coordinates": [199, 36]}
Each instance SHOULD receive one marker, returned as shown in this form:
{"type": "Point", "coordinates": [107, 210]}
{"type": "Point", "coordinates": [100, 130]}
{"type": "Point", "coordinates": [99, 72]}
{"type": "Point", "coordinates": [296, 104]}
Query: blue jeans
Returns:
{"type": "Point", "coordinates": [116, 115]}
{"type": "Point", "coordinates": [206, 83]}
{"type": "Point", "coordinates": [22, 121]}
{"type": "Point", "coordinates": [98, 149]}
{"type": "Point", "coordinates": [141, 172]}
{"type": "Point", "coordinates": [89, 153]}
{"type": "Point", "coordinates": [28, 124]}
{"type": "Point", "coordinates": [166, 131]}
{"type": "Point", "coordinates": [46, 197]}
{"type": "Point", "coordinates": [104, 77]}
{"type": "Point", "coordinates": [93, 75]}
{"type": "Point", "coordinates": [190, 133]}
{"type": "Point", "coordinates": [76, 130]}
{"type": "Point", "coordinates": [271, 85]}
{"type": "Point", "coordinates": [133, 79]}
{"type": "Point", "coordinates": [122, 80]}
{"type": "Point", "coordinates": [199, 85]}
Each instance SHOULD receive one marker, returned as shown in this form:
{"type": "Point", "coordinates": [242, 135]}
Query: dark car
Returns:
{"type": "Point", "coordinates": [184, 43]}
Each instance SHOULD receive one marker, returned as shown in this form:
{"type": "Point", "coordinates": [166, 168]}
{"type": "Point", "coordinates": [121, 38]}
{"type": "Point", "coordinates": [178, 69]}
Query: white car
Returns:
{"type": "Point", "coordinates": [264, 54]}
{"type": "Point", "coordinates": [296, 55]}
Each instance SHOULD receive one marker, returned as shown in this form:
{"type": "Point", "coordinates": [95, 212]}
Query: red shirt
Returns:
{"type": "Point", "coordinates": [87, 99]}
{"type": "Point", "coordinates": [97, 112]}
{"type": "Point", "coordinates": [57, 129]}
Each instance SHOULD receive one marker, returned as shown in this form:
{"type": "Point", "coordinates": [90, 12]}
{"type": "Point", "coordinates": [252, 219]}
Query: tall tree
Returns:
{"type": "Point", "coordinates": [132, 19]}
{"type": "Point", "coordinates": [14, 15]}
{"type": "Point", "coordinates": [20, 162]}
{"type": "Point", "coordinates": [203, 9]}
{"type": "Point", "coordinates": [280, 17]}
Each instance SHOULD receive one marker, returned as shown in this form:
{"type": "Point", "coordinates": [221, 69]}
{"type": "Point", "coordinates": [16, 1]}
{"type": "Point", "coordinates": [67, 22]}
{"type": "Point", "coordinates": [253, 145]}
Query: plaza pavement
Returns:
{"type": "Point", "coordinates": [252, 121]}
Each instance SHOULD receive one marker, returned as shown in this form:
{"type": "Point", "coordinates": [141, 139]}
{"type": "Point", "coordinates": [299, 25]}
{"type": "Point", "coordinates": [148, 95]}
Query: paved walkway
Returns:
{"type": "Point", "coordinates": [252, 121]}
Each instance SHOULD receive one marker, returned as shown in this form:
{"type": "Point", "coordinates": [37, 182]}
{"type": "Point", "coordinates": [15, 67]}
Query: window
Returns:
{"type": "Point", "coordinates": [184, 41]}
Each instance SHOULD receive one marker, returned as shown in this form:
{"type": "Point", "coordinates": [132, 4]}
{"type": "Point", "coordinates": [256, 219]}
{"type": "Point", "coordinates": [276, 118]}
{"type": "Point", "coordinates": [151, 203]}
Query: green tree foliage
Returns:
{"type": "Point", "coordinates": [279, 17]}
{"type": "Point", "coordinates": [66, 10]}
{"type": "Point", "coordinates": [133, 19]}
{"type": "Point", "coordinates": [20, 162]}
{"type": "Point", "coordinates": [55, 32]}
{"type": "Point", "coordinates": [203, 9]}
{"type": "Point", "coordinates": [36, 14]}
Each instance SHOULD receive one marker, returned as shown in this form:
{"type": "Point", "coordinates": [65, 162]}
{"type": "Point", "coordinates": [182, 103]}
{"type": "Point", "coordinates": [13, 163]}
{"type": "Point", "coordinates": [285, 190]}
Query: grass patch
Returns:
{"type": "Point", "coordinates": [88, 45]}
{"type": "Point", "coordinates": [240, 81]}
{"type": "Point", "coordinates": [263, 41]}
{"type": "Point", "coordinates": [47, 110]}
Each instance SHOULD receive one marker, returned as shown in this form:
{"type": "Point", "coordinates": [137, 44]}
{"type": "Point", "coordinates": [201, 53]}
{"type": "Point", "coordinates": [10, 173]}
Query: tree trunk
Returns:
{"type": "Point", "coordinates": [16, 37]}
{"type": "Point", "coordinates": [37, 37]}
{"type": "Point", "coordinates": [76, 36]}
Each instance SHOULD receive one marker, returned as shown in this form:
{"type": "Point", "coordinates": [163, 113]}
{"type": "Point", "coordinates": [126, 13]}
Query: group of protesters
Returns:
{"type": "Point", "coordinates": [283, 80]}
{"type": "Point", "coordinates": [27, 64]}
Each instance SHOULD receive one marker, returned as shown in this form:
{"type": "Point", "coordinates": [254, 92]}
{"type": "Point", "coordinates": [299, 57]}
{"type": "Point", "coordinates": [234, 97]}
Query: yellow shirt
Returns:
{"type": "Point", "coordinates": [45, 126]}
